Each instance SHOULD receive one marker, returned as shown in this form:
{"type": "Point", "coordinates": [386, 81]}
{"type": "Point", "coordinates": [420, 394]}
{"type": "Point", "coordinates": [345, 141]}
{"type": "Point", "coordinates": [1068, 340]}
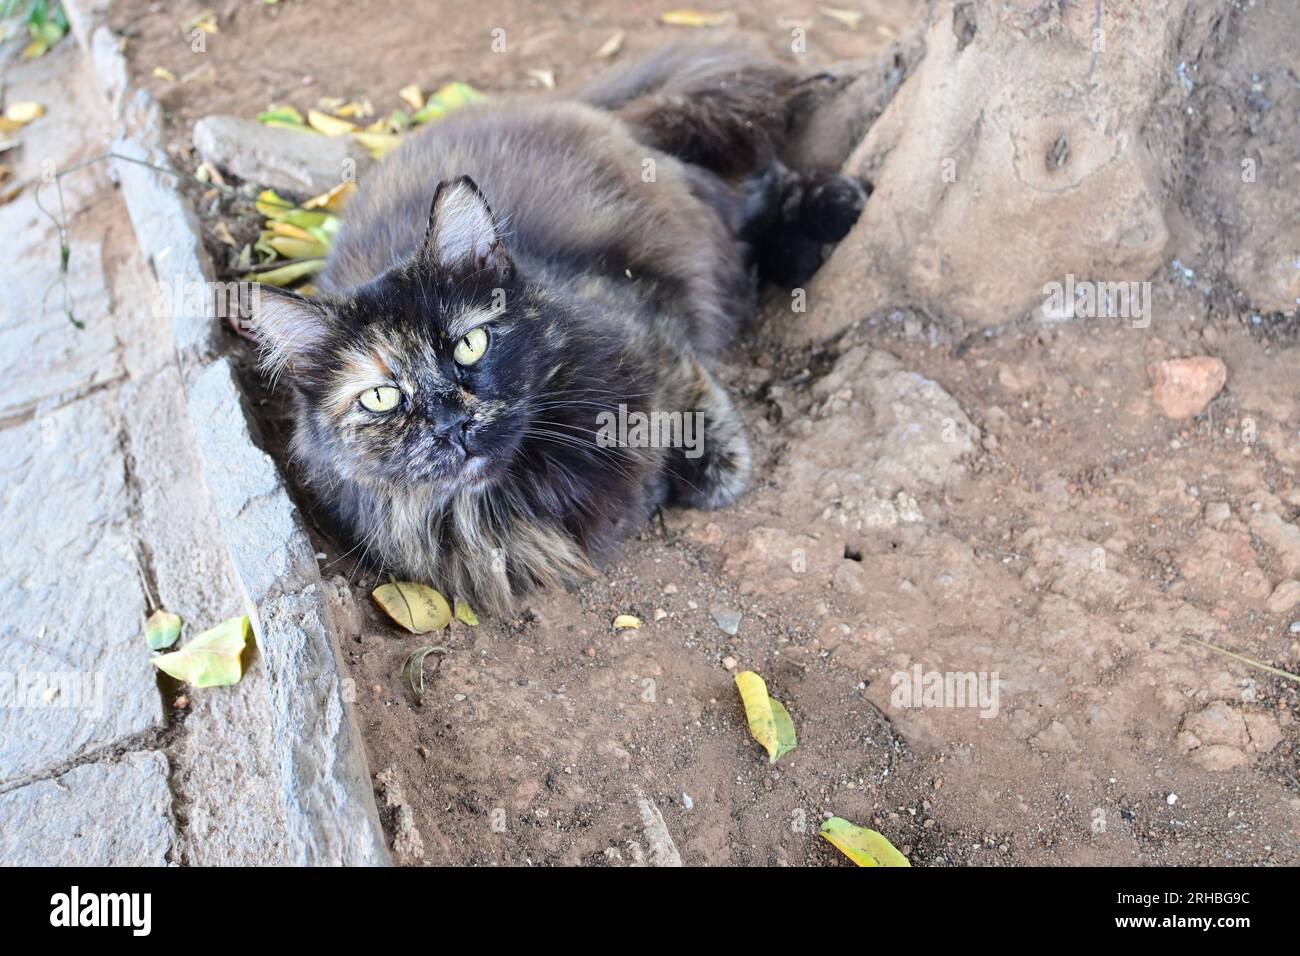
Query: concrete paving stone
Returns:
{"type": "Point", "coordinates": [74, 668]}
{"type": "Point", "coordinates": [225, 779]}
{"type": "Point", "coordinates": [259, 521]}
{"type": "Point", "coordinates": [329, 805]}
{"type": "Point", "coordinates": [287, 160]}
{"type": "Point", "coordinates": [110, 813]}
{"type": "Point", "coordinates": [167, 232]}
{"type": "Point", "coordinates": [44, 359]}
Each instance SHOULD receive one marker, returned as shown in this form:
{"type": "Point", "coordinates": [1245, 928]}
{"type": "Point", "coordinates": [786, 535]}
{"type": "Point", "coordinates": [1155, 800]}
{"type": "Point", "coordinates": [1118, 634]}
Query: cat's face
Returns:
{"type": "Point", "coordinates": [429, 373]}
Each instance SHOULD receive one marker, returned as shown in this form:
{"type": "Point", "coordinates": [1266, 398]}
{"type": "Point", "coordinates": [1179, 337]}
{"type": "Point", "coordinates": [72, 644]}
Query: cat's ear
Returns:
{"type": "Point", "coordinates": [287, 327]}
{"type": "Point", "coordinates": [463, 235]}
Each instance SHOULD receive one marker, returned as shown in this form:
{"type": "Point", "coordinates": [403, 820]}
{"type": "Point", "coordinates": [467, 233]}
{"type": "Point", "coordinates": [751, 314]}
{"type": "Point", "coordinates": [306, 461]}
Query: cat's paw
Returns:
{"type": "Point", "coordinates": [714, 472]}
{"type": "Point", "coordinates": [830, 205]}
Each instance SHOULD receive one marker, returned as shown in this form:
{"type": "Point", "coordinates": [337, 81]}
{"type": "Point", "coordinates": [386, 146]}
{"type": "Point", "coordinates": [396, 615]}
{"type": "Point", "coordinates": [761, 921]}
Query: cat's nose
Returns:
{"type": "Point", "coordinates": [452, 427]}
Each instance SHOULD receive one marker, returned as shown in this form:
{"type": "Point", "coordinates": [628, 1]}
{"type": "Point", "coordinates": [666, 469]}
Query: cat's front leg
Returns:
{"type": "Point", "coordinates": [709, 467]}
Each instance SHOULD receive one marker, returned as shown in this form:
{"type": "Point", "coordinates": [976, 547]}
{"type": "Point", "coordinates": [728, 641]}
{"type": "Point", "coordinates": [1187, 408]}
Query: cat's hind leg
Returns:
{"type": "Point", "coordinates": [721, 106]}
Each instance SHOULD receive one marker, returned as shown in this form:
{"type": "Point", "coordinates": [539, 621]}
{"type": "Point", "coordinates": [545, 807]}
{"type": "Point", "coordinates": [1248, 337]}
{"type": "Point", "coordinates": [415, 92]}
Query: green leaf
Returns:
{"type": "Point", "coordinates": [46, 28]}
{"type": "Point", "coordinates": [769, 721]}
{"type": "Point", "coordinates": [162, 629]}
{"type": "Point", "coordinates": [864, 847]}
{"type": "Point", "coordinates": [213, 659]}
{"type": "Point", "coordinates": [417, 607]}
{"type": "Point", "coordinates": [287, 117]}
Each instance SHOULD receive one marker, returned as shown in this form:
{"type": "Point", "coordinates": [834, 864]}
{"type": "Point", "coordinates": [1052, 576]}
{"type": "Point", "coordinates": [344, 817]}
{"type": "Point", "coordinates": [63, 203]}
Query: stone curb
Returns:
{"type": "Point", "coordinates": [324, 783]}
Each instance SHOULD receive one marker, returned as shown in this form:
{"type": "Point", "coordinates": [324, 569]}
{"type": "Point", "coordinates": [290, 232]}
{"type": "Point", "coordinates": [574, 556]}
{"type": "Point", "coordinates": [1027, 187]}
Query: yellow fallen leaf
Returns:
{"type": "Point", "coordinates": [292, 247]}
{"type": "Point", "coordinates": [769, 721]}
{"type": "Point", "coordinates": [357, 109]}
{"type": "Point", "coordinates": [465, 614]}
{"type": "Point", "coordinates": [416, 607]}
{"type": "Point", "coordinates": [206, 172]}
{"type": "Point", "coordinates": [329, 125]}
{"type": "Point", "coordinates": [850, 18]}
{"type": "Point", "coordinates": [162, 73]}
{"type": "Point", "coordinates": [332, 200]}
{"type": "Point", "coordinates": [610, 47]}
{"type": "Point", "coordinates": [412, 96]}
{"type": "Point", "coordinates": [378, 144]}
{"type": "Point", "coordinates": [864, 847]}
{"type": "Point", "coordinates": [626, 621]}
{"type": "Point", "coordinates": [696, 18]}
{"type": "Point", "coordinates": [269, 203]}
{"type": "Point", "coordinates": [278, 227]}
{"type": "Point", "coordinates": [213, 659]}
{"type": "Point", "coordinates": [224, 234]}
{"type": "Point", "coordinates": [205, 21]}
{"type": "Point", "coordinates": [24, 112]}
{"type": "Point", "coordinates": [287, 274]}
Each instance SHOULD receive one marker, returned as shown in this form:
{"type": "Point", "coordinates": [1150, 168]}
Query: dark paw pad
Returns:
{"type": "Point", "coordinates": [831, 205]}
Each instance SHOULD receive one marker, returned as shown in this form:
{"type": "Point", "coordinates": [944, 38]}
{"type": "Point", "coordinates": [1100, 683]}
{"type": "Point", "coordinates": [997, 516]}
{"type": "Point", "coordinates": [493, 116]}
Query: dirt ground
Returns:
{"type": "Point", "coordinates": [1009, 502]}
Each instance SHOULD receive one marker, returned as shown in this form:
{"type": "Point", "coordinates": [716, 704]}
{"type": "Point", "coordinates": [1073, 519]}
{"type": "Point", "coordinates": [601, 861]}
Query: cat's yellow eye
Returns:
{"type": "Point", "coordinates": [471, 348]}
{"type": "Point", "coordinates": [383, 398]}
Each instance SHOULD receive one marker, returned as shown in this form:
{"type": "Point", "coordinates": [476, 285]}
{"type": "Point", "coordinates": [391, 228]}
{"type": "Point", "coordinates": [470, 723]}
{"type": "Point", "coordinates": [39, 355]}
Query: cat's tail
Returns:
{"type": "Point", "coordinates": [720, 105]}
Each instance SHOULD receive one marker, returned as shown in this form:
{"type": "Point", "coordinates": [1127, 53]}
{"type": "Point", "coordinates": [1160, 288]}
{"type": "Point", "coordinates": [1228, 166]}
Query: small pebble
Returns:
{"type": "Point", "coordinates": [726, 619]}
{"type": "Point", "coordinates": [458, 697]}
{"type": "Point", "coordinates": [1171, 799]}
{"type": "Point", "coordinates": [687, 802]}
{"type": "Point", "coordinates": [729, 663]}
{"type": "Point", "coordinates": [660, 614]}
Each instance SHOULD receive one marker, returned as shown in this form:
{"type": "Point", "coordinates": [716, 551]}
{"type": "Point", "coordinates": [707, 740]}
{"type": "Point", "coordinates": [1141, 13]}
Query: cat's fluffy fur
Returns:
{"type": "Point", "coordinates": [604, 244]}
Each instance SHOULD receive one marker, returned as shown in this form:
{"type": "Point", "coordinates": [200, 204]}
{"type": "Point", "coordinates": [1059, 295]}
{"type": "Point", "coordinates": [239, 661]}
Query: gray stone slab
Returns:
{"type": "Point", "coordinates": [301, 162]}
{"type": "Point", "coordinates": [329, 805]}
{"type": "Point", "coordinates": [73, 661]}
{"type": "Point", "coordinates": [225, 778]}
{"type": "Point", "coordinates": [43, 358]}
{"type": "Point", "coordinates": [259, 522]}
{"type": "Point", "coordinates": [112, 813]}
{"type": "Point", "coordinates": [165, 226]}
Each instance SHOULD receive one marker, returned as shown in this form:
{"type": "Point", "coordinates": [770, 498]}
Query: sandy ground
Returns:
{"type": "Point", "coordinates": [1009, 504]}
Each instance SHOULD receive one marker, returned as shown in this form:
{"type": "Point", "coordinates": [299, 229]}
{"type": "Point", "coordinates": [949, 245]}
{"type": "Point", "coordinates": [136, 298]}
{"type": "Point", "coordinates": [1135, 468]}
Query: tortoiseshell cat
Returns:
{"type": "Point", "coordinates": [515, 272]}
